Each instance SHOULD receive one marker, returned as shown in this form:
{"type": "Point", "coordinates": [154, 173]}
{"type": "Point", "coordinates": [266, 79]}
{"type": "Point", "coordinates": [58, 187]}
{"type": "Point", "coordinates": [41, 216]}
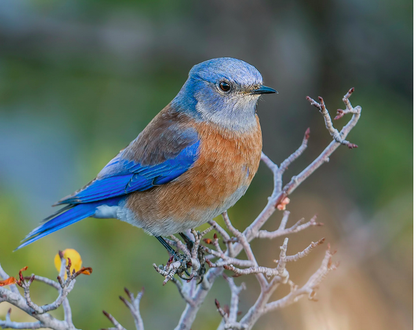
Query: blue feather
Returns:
{"type": "Point", "coordinates": [133, 177]}
{"type": "Point", "coordinates": [61, 220]}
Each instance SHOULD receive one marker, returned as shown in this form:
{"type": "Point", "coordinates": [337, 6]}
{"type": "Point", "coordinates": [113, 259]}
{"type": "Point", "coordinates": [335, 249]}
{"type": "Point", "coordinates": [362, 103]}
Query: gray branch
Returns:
{"type": "Point", "coordinates": [24, 302]}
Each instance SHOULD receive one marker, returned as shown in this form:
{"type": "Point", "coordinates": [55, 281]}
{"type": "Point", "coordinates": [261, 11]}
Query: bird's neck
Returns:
{"type": "Point", "coordinates": [239, 117]}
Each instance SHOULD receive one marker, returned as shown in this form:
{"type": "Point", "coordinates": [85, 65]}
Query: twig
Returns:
{"type": "Point", "coordinates": [298, 226]}
{"type": "Point", "coordinates": [308, 289]}
{"type": "Point", "coordinates": [289, 160]}
{"type": "Point", "coordinates": [117, 325]}
{"type": "Point", "coordinates": [235, 296]}
{"type": "Point", "coordinates": [182, 292]}
{"type": "Point", "coordinates": [305, 252]}
{"type": "Point", "coordinates": [247, 248]}
{"type": "Point", "coordinates": [134, 307]}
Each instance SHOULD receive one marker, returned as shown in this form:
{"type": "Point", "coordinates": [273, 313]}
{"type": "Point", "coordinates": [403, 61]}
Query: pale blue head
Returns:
{"type": "Point", "coordinates": [223, 91]}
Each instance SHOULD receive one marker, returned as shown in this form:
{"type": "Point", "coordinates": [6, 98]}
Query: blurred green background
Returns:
{"type": "Point", "coordinates": [80, 79]}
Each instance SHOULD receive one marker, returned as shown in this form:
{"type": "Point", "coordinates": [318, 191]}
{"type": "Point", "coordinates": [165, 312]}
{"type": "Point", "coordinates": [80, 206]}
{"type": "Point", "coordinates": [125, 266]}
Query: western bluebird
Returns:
{"type": "Point", "coordinates": [192, 162]}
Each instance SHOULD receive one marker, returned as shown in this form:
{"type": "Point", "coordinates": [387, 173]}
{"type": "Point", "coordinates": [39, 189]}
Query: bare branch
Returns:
{"type": "Point", "coordinates": [349, 108]}
{"type": "Point", "coordinates": [182, 292]}
{"type": "Point", "coordinates": [308, 289]}
{"type": "Point", "coordinates": [235, 293]}
{"type": "Point", "coordinates": [189, 314]}
{"type": "Point", "coordinates": [181, 246]}
{"type": "Point", "coordinates": [247, 249]}
{"type": "Point", "coordinates": [281, 263]}
{"type": "Point", "coordinates": [117, 325]}
{"type": "Point", "coordinates": [134, 306]}
{"type": "Point", "coordinates": [228, 261]}
{"type": "Point", "coordinates": [324, 156]}
{"type": "Point", "coordinates": [220, 230]}
{"type": "Point", "coordinates": [298, 226]}
{"type": "Point", "coordinates": [289, 160]}
{"type": "Point", "coordinates": [305, 252]}
{"type": "Point", "coordinates": [327, 119]}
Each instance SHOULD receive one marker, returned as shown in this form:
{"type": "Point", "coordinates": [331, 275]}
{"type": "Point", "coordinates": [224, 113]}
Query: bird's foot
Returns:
{"type": "Point", "coordinates": [188, 261]}
{"type": "Point", "coordinates": [193, 267]}
{"type": "Point", "coordinates": [186, 268]}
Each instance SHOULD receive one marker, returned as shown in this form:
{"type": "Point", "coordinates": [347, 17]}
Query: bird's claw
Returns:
{"type": "Point", "coordinates": [180, 264]}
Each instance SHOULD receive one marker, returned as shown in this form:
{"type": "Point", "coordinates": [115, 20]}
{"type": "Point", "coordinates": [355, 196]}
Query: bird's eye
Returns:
{"type": "Point", "coordinates": [224, 86]}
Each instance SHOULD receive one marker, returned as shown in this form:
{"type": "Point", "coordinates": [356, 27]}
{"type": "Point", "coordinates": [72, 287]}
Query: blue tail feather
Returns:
{"type": "Point", "coordinates": [63, 218]}
{"type": "Point", "coordinates": [74, 214]}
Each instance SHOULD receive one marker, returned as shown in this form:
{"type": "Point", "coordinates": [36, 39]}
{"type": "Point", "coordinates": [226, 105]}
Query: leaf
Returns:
{"type": "Point", "coordinates": [9, 281]}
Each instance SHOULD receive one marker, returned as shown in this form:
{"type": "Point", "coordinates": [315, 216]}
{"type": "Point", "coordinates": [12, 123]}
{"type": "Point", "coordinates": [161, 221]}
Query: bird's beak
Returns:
{"type": "Point", "coordinates": [263, 90]}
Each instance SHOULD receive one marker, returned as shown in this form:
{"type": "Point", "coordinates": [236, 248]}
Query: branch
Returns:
{"type": "Point", "coordinates": [308, 289]}
{"type": "Point", "coordinates": [133, 304]}
{"type": "Point", "coordinates": [338, 140]}
{"type": "Point", "coordinates": [235, 296]}
{"type": "Point", "coordinates": [298, 226]}
{"type": "Point", "coordinates": [117, 325]}
{"type": "Point", "coordinates": [280, 269]}
{"type": "Point", "coordinates": [242, 240]}
{"type": "Point", "coordinates": [26, 304]}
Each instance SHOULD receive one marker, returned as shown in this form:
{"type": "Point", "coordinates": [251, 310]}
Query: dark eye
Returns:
{"type": "Point", "coordinates": [224, 86]}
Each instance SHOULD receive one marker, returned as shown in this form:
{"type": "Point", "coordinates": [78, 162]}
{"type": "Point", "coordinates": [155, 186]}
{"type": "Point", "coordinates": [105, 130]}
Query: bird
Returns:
{"type": "Point", "coordinates": [192, 162]}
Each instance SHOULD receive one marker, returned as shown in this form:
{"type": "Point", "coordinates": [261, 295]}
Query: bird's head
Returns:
{"type": "Point", "coordinates": [224, 91]}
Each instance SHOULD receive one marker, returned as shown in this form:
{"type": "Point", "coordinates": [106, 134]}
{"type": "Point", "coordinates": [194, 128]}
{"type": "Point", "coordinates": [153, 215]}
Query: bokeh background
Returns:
{"type": "Point", "coordinates": [80, 79]}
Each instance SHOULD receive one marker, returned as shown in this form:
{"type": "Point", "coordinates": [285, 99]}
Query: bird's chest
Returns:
{"type": "Point", "coordinates": [225, 167]}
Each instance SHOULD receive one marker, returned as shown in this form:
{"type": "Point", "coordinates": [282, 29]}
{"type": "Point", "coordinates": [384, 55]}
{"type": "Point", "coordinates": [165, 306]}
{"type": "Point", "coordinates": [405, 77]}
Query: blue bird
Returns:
{"type": "Point", "coordinates": [192, 162]}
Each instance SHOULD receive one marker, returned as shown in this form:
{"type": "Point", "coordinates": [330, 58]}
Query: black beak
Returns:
{"type": "Point", "coordinates": [263, 90]}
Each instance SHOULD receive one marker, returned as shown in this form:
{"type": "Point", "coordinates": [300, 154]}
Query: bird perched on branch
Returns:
{"type": "Point", "coordinates": [192, 162]}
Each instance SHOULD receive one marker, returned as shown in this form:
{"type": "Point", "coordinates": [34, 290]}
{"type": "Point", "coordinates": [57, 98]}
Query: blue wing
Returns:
{"type": "Point", "coordinates": [128, 176]}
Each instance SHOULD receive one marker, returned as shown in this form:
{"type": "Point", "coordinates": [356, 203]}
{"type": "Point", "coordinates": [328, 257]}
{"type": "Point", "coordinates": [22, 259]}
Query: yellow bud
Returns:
{"type": "Point", "coordinates": [76, 261]}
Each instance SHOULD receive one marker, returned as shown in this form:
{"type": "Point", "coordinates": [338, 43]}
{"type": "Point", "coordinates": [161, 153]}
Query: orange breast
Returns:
{"type": "Point", "coordinates": [227, 163]}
